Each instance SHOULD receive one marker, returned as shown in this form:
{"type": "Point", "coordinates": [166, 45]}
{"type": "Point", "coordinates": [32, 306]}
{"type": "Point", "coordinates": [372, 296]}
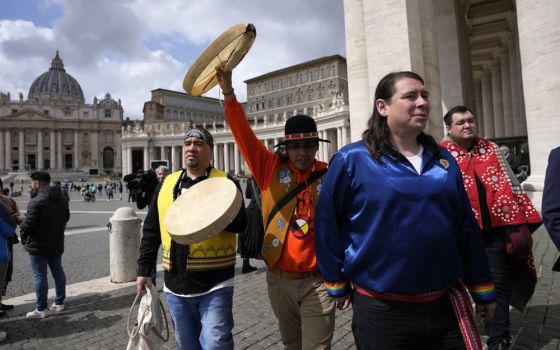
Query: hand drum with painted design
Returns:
{"type": "Point", "coordinates": [203, 210]}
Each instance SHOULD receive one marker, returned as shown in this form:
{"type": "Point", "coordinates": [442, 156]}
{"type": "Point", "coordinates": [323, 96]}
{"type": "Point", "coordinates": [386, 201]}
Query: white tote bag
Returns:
{"type": "Point", "coordinates": [147, 332]}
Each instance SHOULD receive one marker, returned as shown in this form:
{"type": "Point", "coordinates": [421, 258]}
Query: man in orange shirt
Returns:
{"type": "Point", "coordinates": [297, 294]}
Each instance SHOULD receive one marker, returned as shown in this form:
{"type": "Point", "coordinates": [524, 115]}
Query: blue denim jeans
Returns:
{"type": "Point", "coordinates": [203, 322]}
{"type": "Point", "coordinates": [39, 267]}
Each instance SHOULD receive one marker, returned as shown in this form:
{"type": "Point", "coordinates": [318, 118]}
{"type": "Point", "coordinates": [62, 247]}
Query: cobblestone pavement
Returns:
{"type": "Point", "coordinates": [97, 320]}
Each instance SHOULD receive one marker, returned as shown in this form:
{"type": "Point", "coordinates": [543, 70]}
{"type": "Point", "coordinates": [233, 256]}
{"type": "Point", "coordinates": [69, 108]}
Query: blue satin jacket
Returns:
{"type": "Point", "coordinates": [386, 228]}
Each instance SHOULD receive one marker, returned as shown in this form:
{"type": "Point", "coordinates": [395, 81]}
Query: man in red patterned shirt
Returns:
{"type": "Point", "coordinates": [501, 210]}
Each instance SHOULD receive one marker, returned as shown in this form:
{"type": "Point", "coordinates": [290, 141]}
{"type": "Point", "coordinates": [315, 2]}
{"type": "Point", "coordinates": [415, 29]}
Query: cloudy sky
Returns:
{"type": "Point", "coordinates": [130, 47]}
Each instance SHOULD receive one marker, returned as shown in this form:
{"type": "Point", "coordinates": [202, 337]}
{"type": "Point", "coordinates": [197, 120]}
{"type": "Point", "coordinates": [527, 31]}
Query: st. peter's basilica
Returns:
{"type": "Point", "coordinates": [56, 130]}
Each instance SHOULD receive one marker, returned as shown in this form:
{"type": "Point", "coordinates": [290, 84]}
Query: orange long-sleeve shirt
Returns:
{"type": "Point", "coordinates": [299, 252]}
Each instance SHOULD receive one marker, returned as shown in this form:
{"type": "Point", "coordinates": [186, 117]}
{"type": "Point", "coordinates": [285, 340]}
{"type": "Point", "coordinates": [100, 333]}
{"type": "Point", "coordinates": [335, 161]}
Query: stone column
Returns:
{"type": "Point", "coordinates": [21, 149]}
{"type": "Point", "coordinates": [325, 136]}
{"type": "Point", "coordinates": [180, 164]}
{"type": "Point", "coordinates": [338, 139]}
{"type": "Point", "coordinates": [95, 136]}
{"type": "Point", "coordinates": [344, 136]}
{"type": "Point", "coordinates": [226, 157]}
{"type": "Point", "coordinates": [321, 146]}
{"type": "Point", "coordinates": [173, 165]}
{"type": "Point", "coordinates": [487, 108]}
{"type": "Point", "coordinates": [8, 134]}
{"type": "Point", "coordinates": [540, 54]}
{"type": "Point", "coordinates": [216, 155]}
{"type": "Point", "coordinates": [124, 159]}
{"type": "Point", "coordinates": [129, 159]}
{"type": "Point", "coordinates": [514, 84]}
{"type": "Point", "coordinates": [506, 94]}
{"type": "Point", "coordinates": [454, 55]}
{"type": "Point", "coordinates": [162, 153]}
{"type": "Point", "coordinates": [182, 156]}
{"type": "Point", "coordinates": [360, 93]}
{"type": "Point", "coordinates": [518, 114]}
{"type": "Point", "coordinates": [40, 162]}
{"type": "Point", "coordinates": [52, 160]}
{"type": "Point", "coordinates": [497, 100]}
{"type": "Point", "coordinates": [151, 152]}
{"type": "Point", "coordinates": [2, 150]}
{"type": "Point", "coordinates": [479, 114]}
{"type": "Point", "coordinates": [76, 150]}
{"type": "Point", "coordinates": [236, 158]}
{"type": "Point", "coordinates": [242, 164]}
{"type": "Point", "coordinates": [146, 158]}
{"type": "Point", "coordinates": [118, 153]}
{"type": "Point", "coordinates": [60, 157]}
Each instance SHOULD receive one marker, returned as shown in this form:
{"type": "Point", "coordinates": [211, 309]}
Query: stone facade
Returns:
{"type": "Point", "coordinates": [273, 98]}
{"type": "Point", "coordinates": [55, 130]}
{"type": "Point", "coordinates": [297, 89]}
{"type": "Point", "coordinates": [159, 136]}
{"type": "Point", "coordinates": [318, 88]}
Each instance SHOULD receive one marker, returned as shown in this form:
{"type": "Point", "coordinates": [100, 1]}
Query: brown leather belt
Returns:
{"type": "Point", "coordinates": [292, 275]}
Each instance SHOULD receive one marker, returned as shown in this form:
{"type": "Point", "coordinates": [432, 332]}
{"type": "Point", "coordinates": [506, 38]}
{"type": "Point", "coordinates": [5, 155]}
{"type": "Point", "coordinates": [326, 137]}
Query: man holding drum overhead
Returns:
{"type": "Point", "coordinates": [198, 276]}
{"type": "Point", "coordinates": [290, 180]}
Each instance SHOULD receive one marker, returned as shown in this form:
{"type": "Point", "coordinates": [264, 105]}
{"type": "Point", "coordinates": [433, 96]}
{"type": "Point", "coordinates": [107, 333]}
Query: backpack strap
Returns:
{"type": "Point", "coordinates": [314, 176]}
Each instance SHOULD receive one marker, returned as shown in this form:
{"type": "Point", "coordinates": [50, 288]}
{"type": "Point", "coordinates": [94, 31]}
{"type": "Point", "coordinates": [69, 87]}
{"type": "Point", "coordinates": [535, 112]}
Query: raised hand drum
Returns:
{"type": "Point", "coordinates": [203, 210]}
{"type": "Point", "coordinates": [227, 51]}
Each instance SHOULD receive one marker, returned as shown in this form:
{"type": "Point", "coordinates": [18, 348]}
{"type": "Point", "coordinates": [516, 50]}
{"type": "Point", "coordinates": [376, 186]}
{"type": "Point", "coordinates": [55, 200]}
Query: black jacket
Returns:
{"type": "Point", "coordinates": [42, 231]}
{"type": "Point", "coordinates": [551, 200]}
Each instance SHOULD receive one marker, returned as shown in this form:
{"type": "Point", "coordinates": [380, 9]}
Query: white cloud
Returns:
{"type": "Point", "coordinates": [130, 47]}
{"type": "Point", "coordinates": [19, 71]}
{"type": "Point", "coordinates": [22, 30]}
{"type": "Point", "coordinates": [132, 80]}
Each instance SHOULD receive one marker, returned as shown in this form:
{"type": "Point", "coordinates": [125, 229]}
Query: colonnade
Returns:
{"type": "Point", "coordinates": [500, 106]}
{"type": "Point", "coordinates": [510, 74]}
{"type": "Point", "coordinates": [45, 145]}
{"type": "Point", "coordinates": [26, 149]}
{"type": "Point", "coordinates": [226, 155]}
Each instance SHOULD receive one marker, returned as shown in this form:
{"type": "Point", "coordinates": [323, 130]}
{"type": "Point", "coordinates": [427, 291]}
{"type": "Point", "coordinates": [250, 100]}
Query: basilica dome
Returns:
{"type": "Point", "coordinates": [56, 84]}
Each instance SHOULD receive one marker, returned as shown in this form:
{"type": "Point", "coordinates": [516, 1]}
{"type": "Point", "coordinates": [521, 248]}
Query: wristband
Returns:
{"type": "Point", "coordinates": [228, 93]}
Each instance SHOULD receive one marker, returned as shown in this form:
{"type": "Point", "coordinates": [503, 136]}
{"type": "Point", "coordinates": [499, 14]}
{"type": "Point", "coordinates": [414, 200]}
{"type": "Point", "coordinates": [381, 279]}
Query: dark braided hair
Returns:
{"type": "Point", "coordinates": [377, 137]}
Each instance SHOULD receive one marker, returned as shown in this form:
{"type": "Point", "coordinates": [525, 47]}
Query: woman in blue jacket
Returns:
{"type": "Point", "coordinates": [395, 229]}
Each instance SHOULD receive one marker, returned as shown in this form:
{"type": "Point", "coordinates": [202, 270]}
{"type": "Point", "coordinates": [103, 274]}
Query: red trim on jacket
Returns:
{"type": "Point", "coordinates": [507, 203]}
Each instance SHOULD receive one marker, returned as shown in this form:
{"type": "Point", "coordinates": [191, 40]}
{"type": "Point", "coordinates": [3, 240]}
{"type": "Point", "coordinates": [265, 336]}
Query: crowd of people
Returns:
{"type": "Point", "coordinates": [89, 192]}
{"type": "Point", "coordinates": [421, 237]}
